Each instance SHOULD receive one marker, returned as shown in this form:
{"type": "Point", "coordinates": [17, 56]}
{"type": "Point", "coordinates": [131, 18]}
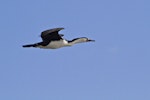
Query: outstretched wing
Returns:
{"type": "Point", "coordinates": [51, 34]}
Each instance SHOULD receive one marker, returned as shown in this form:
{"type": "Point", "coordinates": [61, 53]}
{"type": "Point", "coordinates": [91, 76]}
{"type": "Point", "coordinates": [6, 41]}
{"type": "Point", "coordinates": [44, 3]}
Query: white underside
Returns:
{"type": "Point", "coordinates": [62, 43]}
{"type": "Point", "coordinates": [55, 44]}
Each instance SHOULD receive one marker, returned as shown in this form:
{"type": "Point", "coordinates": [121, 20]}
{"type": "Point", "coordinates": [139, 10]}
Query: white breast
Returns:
{"type": "Point", "coordinates": [56, 44]}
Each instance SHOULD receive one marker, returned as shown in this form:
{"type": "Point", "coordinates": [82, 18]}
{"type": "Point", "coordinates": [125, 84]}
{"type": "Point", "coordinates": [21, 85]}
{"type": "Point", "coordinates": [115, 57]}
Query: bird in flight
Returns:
{"type": "Point", "coordinates": [51, 39]}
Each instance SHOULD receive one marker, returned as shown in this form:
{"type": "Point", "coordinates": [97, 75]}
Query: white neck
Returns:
{"type": "Point", "coordinates": [77, 40]}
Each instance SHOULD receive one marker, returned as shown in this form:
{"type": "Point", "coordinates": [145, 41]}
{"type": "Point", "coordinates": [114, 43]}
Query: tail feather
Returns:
{"type": "Point", "coordinates": [30, 45]}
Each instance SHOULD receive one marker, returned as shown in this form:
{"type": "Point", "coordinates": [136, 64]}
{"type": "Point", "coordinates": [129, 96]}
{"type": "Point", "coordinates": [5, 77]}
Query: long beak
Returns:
{"type": "Point", "coordinates": [89, 40]}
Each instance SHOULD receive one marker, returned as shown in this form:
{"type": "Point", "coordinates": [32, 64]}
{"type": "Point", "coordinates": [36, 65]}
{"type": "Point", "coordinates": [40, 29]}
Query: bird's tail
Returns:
{"type": "Point", "coordinates": [30, 45]}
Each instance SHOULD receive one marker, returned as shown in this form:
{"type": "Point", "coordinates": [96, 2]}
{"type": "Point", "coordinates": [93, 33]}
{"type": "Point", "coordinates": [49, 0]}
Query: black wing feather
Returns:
{"type": "Point", "coordinates": [51, 34]}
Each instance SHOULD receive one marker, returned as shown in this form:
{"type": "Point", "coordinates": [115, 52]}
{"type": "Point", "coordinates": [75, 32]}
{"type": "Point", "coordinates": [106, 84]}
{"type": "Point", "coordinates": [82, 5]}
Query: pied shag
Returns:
{"type": "Point", "coordinates": [53, 40]}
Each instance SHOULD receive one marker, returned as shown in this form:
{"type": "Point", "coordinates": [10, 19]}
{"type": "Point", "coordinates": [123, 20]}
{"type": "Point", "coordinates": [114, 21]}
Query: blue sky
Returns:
{"type": "Point", "coordinates": [115, 67]}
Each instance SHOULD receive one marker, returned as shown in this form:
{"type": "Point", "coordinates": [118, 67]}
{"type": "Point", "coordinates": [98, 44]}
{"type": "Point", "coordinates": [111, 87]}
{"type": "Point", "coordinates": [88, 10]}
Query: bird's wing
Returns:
{"type": "Point", "coordinates": [51, 34]}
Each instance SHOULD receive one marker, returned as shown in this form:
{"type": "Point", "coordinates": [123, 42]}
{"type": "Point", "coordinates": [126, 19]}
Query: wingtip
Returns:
{"type": "Point", "coordinates": [61, 28]}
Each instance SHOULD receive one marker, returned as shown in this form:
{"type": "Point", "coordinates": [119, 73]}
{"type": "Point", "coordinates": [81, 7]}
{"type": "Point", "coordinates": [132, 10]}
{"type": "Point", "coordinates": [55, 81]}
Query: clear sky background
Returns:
{"type": "Point", "coordinates": [115, 67]}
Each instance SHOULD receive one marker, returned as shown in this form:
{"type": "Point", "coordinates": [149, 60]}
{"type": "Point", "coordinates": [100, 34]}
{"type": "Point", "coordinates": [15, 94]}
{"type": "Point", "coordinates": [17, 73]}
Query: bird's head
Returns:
{"type": "Point", "coordinates": [89, 40]}
{"type": "Point", "coordinates": [83, 39]}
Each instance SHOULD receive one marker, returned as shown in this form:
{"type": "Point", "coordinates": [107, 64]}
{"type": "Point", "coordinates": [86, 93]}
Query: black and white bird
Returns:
{"type": "Point", "coordinates": [53, 40]}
